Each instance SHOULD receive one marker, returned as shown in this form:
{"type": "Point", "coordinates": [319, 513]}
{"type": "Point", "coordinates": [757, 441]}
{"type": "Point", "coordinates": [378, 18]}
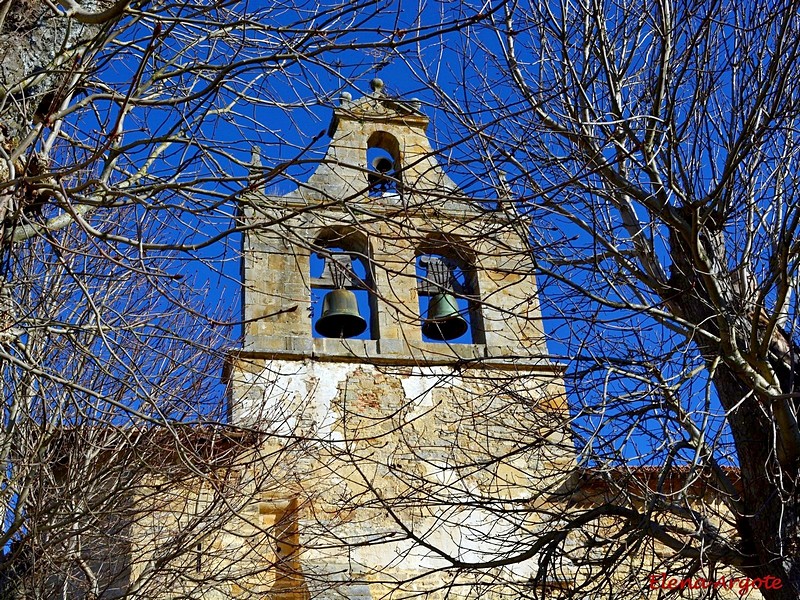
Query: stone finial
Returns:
{"type": "Point", "coordinates": [502, 188]}
{"type": "Point", "coordinates": [345, 98]}
{"type": "Point", "coordinates": [376, 85]}
{"type": "Point", "coordinates": [255, 156]}
{"type": "Point", "coordinates": [255, 174]}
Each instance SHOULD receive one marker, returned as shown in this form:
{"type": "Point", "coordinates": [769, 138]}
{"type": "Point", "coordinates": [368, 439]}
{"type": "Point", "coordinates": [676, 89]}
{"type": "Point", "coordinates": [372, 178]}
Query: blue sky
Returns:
{"type": "Point", "coordinates": [290, 105]}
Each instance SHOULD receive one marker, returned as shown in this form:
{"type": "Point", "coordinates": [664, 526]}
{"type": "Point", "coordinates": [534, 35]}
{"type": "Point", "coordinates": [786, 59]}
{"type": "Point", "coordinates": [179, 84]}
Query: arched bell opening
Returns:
{"type": "Point", "coordinates": [448, 301]}
{"type": "Point", "coordinates": [341, 282]}
{"type": "Point", "coordinates": [383, 164]}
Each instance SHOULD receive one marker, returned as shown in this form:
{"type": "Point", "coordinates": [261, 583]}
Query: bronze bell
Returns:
{"type": "Point", "coordinates": [340, 317]}
{"type": "Point", "coordinates": [444, 322]}
{"type": "Point", "coordinates": [382, 165]}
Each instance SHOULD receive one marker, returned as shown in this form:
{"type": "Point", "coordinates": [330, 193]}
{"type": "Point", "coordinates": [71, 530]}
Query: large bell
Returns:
{"type": "Point", "coordinates": [340, 317]}
{"type": "Point", "coordinates": [444, 322]}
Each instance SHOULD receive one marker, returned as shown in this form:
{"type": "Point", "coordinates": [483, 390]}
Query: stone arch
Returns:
{"type": "Point", "coordinates": [384, 163]}
{"type": "Point", "coordinates": [463, 284]}
{"type": "Point", "coordinates": [330, 244]}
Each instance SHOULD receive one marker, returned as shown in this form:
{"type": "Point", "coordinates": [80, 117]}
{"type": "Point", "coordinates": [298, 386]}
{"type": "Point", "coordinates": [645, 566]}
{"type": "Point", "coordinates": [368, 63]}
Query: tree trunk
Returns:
{"type": "Point", "coordinates": [769, 527]}
{"type": "Point", "coordinates": [39, 53]}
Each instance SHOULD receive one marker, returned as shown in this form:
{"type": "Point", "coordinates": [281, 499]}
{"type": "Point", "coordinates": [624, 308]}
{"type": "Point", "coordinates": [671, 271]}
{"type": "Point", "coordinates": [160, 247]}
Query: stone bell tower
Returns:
{"type": "Point", "coordinates": [394, 356]}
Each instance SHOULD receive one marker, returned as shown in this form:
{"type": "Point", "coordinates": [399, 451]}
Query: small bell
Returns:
{"type": "Point", "coordinates": [382, 165]}
{"type": "Point", "coordinates": [340, 317]}
{"type": "Point", "coordinates": [380, 178]}
{"type": "Point", "coordinates": [444, 322]}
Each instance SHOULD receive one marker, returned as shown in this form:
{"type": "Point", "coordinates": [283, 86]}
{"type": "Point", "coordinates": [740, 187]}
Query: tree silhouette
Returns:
{"type": "Point", "coordinates": [644, 153]}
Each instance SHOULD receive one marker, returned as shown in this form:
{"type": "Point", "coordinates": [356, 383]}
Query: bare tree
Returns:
{"type": "Point", "coordinates": [111, 190]}
{"type": "Point", "coordinates": [651, 146]}
{"type": "Point", "coordinates": [125, 136]}
{"type": "Point", "coordinates": [651, 149]}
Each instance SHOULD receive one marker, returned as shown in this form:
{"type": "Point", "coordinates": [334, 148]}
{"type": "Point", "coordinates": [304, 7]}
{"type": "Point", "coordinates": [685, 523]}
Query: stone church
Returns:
{"type": "Point", "coordinates": [393, 336]}
{"type": "Point", "coordinates": [410, 432]}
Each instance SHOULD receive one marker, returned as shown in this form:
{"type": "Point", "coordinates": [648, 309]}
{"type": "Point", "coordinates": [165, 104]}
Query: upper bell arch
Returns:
{"type": "Point", "coordinates": [377, 121]}
{"type": "Point", "coordinates": [384, 162]}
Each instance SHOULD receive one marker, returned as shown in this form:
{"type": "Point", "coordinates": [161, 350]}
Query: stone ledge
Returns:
{"type": "Point", "coordinates": [366, 351]}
